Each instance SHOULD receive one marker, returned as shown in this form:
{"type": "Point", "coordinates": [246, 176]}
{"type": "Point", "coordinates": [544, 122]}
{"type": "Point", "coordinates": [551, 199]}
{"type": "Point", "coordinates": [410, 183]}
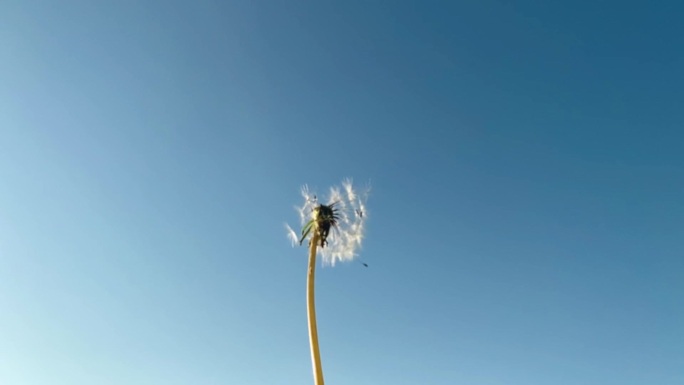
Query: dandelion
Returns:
{"type": "Point", "coordinates": [345, 214]}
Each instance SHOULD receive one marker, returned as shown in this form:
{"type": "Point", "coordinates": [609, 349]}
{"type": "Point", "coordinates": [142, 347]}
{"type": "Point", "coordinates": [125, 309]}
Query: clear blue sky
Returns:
{"type": "Point", "coordinates": [525, 227]}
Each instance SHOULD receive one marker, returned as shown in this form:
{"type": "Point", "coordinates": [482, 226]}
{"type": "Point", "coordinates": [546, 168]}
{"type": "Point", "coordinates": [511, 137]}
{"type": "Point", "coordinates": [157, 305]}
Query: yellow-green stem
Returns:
{"type": "Point", "coordinates": [311, 312]}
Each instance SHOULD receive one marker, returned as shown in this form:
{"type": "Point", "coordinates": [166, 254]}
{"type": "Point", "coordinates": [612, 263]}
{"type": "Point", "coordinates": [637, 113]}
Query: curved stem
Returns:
{"type": "Point", "coordinates": [311, 312]}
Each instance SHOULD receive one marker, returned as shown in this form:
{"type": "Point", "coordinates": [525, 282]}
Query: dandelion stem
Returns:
{"type": "Point", "coordinates": [311, 312]}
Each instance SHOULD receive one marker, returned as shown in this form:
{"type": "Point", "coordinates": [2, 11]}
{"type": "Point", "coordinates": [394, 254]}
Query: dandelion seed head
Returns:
{"type": "Point", "coordinates": [346, 238]}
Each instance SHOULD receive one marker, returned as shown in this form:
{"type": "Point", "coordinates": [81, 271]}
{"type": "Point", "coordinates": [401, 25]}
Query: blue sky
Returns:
{"type": "Point", "coordinates": [526, 214]}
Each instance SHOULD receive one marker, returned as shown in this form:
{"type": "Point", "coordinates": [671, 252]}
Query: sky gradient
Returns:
{"type": "Point", "coordinates": [524, 224]}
